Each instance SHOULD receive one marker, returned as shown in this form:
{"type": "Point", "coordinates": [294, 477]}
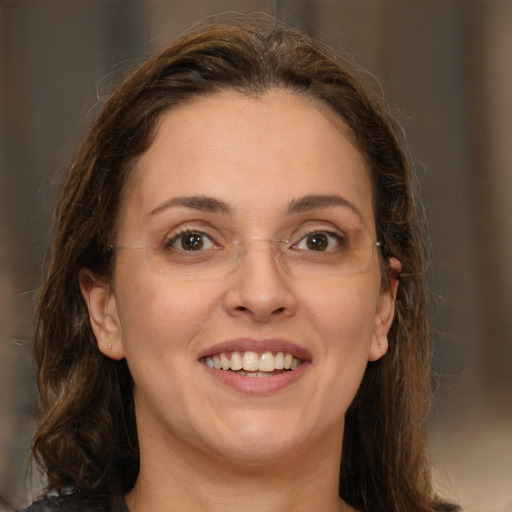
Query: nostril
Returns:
{"type": "Point", "coordinates": [276, 311]}
{"type": "Point", "coordinates": [262, 296]}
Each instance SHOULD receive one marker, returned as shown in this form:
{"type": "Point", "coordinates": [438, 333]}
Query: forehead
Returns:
{"type": "Point", "coordinates": [255, 153]}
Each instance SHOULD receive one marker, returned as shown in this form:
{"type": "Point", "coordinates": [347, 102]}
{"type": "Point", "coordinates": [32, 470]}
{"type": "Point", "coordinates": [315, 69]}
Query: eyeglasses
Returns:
{"type": "Point", "coordinates": [319, 254]}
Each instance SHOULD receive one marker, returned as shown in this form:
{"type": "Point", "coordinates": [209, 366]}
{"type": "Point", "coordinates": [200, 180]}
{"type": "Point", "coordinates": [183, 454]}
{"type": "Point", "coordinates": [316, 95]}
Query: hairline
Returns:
{"type": "Point", "coordinates": [257, 92]}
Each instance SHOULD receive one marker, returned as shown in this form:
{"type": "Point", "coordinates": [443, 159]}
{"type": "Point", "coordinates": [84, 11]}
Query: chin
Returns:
{"type": "Point", "coordinates": [265, 440]}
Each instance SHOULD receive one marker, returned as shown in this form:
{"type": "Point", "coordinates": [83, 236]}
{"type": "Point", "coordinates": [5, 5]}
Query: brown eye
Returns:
{"type": "Point", "coordinates": [317, 242]}
{"type": "Point", "coordinates": [190, 241]}
{"type": "Point", "coordinates": [320, 242]}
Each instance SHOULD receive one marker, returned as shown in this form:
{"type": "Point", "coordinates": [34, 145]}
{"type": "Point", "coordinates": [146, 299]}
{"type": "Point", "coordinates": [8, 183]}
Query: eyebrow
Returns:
{"type": "Point", "coordinates": [314, 202]}
{"type": "Point", "coordinates": [201, 203]}
{"type": "Point", "coordinates": [214, 205]}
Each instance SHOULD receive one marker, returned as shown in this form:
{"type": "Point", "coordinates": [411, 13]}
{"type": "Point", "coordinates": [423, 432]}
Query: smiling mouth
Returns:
{"type": "Point", "coordinates": [252, 364]}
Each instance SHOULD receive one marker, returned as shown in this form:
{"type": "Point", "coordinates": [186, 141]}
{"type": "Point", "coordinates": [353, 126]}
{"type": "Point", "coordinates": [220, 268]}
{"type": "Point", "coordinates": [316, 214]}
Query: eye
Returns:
{"type": "Point", "coordinates": [321, 241]}
{"type": "Point", "coordinates": [190, 241]}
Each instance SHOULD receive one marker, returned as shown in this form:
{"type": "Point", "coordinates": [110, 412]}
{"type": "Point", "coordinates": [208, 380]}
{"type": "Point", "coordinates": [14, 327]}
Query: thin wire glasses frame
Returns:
{"type": "Point", "coordinates": [204, 260]}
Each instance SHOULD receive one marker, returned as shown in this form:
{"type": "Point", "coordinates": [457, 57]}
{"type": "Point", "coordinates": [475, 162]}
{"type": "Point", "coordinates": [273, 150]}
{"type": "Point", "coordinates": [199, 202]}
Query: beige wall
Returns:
{"type": "Point", "coordinates": [446, 69]}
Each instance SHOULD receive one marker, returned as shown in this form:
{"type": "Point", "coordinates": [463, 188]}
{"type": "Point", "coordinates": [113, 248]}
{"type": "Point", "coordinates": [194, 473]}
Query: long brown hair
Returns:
{"type": "Point", "coordinates": [87, 435]}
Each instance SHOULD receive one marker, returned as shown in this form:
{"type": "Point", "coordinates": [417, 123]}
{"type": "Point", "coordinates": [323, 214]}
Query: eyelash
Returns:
{"type": "Point", "coordinates": [340, 238]}
{"type": "Point", "coordinates": [176, 236]}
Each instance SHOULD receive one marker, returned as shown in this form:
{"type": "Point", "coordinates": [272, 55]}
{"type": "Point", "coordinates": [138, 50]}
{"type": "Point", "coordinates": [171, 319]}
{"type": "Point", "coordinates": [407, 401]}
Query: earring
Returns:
{"type": "Point", "coordinates": [109, 346]}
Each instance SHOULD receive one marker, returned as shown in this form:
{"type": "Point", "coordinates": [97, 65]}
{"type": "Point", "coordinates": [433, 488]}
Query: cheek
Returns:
{"type": "Point", "coordinates": [160, 324]}
{"type": "Point", "coordinates": [156, 314]}
{"type": "Point", "coordinates": [345, 313]}
{"type": "Point", "coordinates": [342, 318]}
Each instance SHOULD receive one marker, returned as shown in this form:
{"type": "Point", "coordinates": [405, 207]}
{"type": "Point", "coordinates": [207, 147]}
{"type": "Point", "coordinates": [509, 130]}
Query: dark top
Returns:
{"type": "Point", "coordinates": [75, 503]}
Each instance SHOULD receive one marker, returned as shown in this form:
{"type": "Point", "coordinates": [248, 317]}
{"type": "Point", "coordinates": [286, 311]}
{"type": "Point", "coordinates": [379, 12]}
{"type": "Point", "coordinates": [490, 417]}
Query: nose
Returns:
{"type": "Point", "coordinates": [259, 288]}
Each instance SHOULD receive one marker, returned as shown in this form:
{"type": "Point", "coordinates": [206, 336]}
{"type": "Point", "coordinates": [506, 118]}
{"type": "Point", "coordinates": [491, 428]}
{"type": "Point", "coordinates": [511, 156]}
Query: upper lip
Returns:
{"type": "Point", "coordinates": [258, 345]}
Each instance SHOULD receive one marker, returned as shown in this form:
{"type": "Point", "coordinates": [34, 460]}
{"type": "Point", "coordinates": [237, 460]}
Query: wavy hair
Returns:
{"type": "Point", "coordinates": [87, 437]}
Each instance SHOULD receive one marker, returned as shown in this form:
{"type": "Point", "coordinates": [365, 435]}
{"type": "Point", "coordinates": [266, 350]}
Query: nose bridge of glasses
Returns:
{"type": "Point", "coordinates": [260, 244]}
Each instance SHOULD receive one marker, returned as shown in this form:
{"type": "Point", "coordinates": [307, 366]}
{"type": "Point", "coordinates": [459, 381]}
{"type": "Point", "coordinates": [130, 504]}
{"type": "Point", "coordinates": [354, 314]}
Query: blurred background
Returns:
{"type": "Point", "coordinates": [445, 67]}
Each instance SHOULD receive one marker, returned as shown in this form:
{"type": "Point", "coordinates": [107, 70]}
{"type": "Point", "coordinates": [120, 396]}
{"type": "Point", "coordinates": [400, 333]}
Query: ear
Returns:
{"type": "Point", "coordinates": [103, 316]}
{"type": "Point", "coordinates": [384, 313]}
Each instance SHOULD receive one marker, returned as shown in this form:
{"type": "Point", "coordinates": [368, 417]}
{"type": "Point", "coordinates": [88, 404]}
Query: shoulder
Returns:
{"type": "Point", "coordinates": [58, 503]}
{"type": "Point", "coordinates": [75, 503]}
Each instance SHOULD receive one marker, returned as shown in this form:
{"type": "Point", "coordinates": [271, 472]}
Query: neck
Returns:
{"type": "Point", "coordinates": [188, 480]}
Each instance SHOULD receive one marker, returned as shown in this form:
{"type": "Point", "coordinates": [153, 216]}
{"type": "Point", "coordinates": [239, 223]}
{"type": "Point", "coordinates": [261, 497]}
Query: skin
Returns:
{"type": "Point", "coordinates": [205, 445]}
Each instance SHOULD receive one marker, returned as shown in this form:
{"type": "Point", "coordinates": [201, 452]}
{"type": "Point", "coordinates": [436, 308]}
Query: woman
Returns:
{"type": "Point", "coordinates": [222, 325]}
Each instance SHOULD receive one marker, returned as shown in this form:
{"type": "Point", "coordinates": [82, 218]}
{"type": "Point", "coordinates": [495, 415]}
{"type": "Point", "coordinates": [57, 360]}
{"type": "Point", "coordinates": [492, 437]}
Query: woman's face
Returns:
{"type": "Point", "coordinates": [234, 168]}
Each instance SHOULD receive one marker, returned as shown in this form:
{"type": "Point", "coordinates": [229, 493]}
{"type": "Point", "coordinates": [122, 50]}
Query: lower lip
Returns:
{"type": "Point", "coordinates": [258, 385]}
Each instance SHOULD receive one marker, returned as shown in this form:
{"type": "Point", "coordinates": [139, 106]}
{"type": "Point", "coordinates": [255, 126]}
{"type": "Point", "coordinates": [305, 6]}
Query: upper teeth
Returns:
{"type": "Point", "coordinates": [253, 362]}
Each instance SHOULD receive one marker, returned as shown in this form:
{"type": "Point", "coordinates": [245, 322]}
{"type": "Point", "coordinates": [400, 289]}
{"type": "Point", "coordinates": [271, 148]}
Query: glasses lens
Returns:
{"type": "Point", "coordinates": [315, 258]}
{"type": "Point", "coordinates": [193, 262]}
{"type": "Point", "coordinates": [345, 261]}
